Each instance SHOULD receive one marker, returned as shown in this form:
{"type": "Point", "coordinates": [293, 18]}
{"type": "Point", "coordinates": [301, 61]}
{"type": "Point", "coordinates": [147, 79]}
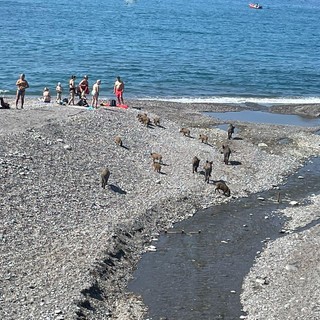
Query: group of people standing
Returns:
{"type": "Point", "coordinates": [81, 90]}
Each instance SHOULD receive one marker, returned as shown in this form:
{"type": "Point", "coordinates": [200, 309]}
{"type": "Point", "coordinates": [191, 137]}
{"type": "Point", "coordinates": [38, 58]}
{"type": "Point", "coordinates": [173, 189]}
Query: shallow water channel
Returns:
{"type": "Point", "coordinates": [198, 275]}
{"type": "Point", "coordinates": [265, 117]}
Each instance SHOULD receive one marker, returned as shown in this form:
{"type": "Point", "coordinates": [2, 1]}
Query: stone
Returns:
{"type": "Point", "coordinates": [291, 267]}
{"type": "Point", "coordinates": [262, 145]}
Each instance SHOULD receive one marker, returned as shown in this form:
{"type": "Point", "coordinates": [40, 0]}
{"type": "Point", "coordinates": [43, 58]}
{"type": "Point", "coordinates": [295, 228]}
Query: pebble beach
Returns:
{"type": "Point", "coordinates": [69, 247]}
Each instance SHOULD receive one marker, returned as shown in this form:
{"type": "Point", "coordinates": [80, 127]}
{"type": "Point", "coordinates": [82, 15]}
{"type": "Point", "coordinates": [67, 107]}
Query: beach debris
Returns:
{"type": "Point", "coordinates": [294, 203]}
{"type": "Point", "coordinates": [67, 147]}
{"type": "Point", "coordinates": [151, 248]}
{"type": "Point", "coordinates": [262, 145]}
{"type": "Point", "coordinates": [262, 280]}
{"type": "Point", "coordinates": [300, 177]}
{"type": "Point", "coordinates": [261, 198]}
{"type": "Point", "coordinates": [291, 267]}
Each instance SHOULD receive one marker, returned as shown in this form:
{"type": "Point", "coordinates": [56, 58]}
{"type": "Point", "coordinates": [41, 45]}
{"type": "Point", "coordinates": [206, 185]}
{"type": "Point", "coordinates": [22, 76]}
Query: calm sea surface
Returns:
{"type": "Point", "coordinates": [195, 50]}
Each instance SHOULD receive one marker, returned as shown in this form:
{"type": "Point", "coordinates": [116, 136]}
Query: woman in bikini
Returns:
{"type": "Point", "coordinates": [22, 84]}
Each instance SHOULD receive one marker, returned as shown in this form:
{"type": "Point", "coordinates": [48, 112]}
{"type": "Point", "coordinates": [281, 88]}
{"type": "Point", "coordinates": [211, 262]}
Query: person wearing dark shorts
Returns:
{"type": "Point", "coordinates": [22, 84]}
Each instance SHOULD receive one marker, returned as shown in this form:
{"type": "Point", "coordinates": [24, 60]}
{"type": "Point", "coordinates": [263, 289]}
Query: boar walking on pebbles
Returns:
{"type": "Point", "coordinates": [222, 186]}
{"type": "Point", "coordinates": [230, 131]}
{"type": "Point", "coordinates": [195, 164]}
{"type": "Point", "coordinates": [156, 121]}
{"type": "Point", "coordinates": [105, 174]}
{"type": "Point", "coordinates": [185, 132]}
{"type": "Point", "coordinates": [207, 170]}
{"type": "Point", "coordinates": [203, 138]}
{"type": "Point", "coordinates": [156, 156]}
{"type": "Point", "coordinates": [118, 141]}
{"type": "Point", "coordinates": [226, 153]}
{"type": "Point", "coordinates": [157, 167]}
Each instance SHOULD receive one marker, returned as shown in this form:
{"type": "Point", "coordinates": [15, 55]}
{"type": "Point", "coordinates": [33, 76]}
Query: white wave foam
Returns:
{"type": "Point", "coordinates": [242, 100]}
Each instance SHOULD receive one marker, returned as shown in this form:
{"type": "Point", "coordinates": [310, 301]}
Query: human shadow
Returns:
{"type": "Point", "coordinates": [117, 189]}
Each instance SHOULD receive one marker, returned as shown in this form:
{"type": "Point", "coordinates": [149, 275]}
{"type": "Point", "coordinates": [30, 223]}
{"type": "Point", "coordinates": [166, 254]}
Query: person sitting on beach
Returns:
{"type": "Point", "coordinates": [22, 84]}
{"type": "Point", "coordinates": [46, 95]}
{"type": "Point", "coordinates": [118, 90]}
{"type": "Point", "coordinates": [95, 94]}
{"type": "Point", "coordinates": [72, 89]}
{"type": "Point", "coordinates": [83, 102]}
{"type": "Point", "coordinates": [84, 87]}
{"type": "Point", "coordinates": [59, 93]}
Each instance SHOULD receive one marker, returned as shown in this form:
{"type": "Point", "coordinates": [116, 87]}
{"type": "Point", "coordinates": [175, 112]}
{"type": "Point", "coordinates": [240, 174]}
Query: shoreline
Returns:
{"type": "Point", "coordinates": [79, 243]}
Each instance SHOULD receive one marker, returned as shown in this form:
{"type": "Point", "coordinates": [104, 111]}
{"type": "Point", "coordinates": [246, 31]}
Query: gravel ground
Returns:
{"type": "Point", "coordinates": [68, 247]}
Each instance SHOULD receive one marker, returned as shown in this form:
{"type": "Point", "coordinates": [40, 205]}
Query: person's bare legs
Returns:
{"type": "Point", "coordinates": [94, 102]}
{"type": "Point", "coordinates": [22, 100]}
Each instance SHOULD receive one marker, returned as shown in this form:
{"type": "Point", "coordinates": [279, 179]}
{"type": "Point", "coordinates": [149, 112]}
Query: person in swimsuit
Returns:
{"type": "Point", "coordinates": [95, 94]}
{"type": "Point", "coordinates": [59, 93]}
{"type": "Point", "coordinates": [46, 96]}
{"type": "Point", "coordinates": [72, 90]}
{"type": "Point", "coordinates": [118, 90]}
{"type": "Point", "coordinates": [84, 87]}
{"type": "Point", "coordinates": [22, 84]}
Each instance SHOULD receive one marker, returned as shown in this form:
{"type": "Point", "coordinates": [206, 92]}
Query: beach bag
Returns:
{"type": "Point", "coordinates": [113, 103]}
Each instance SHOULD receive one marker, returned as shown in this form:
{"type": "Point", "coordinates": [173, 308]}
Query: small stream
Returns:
{"type": "Point", "coordinates": [198, 268]}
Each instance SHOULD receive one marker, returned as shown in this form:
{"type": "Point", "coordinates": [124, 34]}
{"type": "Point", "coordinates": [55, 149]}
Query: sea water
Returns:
{"type": "Point", "coordinates": [188, 51]}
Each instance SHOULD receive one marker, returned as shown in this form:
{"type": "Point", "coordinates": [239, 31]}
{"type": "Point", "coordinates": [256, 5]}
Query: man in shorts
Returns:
{"type": "Point", "coordinates": [118, 90]}
{"type": "Point", "coordinates": [22, 84]}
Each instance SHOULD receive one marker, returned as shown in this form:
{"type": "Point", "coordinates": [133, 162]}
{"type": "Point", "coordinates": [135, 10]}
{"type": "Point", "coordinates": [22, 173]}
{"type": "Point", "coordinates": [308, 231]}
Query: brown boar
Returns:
{"type": "Point", "coordinates": [185, 131]}
{"type": "Point", "coordinates": [203, 138]}
{"type": "Point", "coordinates": [156, 167]}
{"type": "Point", "coordinates": [226, 153]}
{"type": "Point", "coordinates": [156, 121]}
{"type": "Point", "coordinates": [230, 131]}
{"type": "Point", "coordinates": [118, 141]}
{"type": "Point", "coordinates": [207, 170]}
{"type": "Point", "coordinates": [156, 156]}
{"type": "Point", "coordinates": [222, 186]}
{"type": "Point", "coordinates": [105, 174]}
{"type": "Point", "coordinates": [195, 164]}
